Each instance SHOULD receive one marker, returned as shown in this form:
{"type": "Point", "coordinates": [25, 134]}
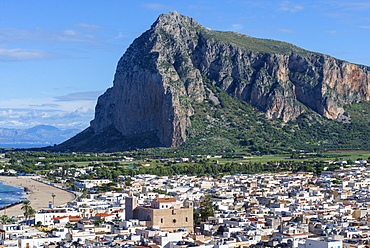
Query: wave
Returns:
{"type": "Point", "coordinates": [10, 194]}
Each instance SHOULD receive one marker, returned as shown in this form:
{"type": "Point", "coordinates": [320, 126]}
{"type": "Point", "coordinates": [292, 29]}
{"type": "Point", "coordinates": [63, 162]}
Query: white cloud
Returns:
{"type": "Point", "coordinates": [79, 33]}
{"type": "Point", "coordinates": [80, 96]}
{"type": "Point", "coordinates": [26, 103]}
{"type": "Point", "coordinates": [366, 27]}
{"type": "Point", "coordinates": [13, 34]}
{"type": "Point", "coordinates": [86, 25]}
{"type": "Point", "coordinates": [71, 35]}
{"type": "Point", "coordinates": [70, 32]}
{"type": "Point", "coordinates": [13, 123]}
{"type": "Point", "coordinates": [237, 27]}
{"type": "Point", "coordinates": [290, 6]}
{"type": "Point", "coordinates": [26, 118]}
{"type": "Point", "coordinates": [45, 105]}
{"type": "Point", "coordinates": [352, 5]}
{"type": "Point", "coordinates": [75, 108]}
{"type": "Point", "coordinates": [19, 54]}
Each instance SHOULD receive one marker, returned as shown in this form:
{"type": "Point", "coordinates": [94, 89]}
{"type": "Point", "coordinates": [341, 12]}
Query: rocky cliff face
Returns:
{"type": "Point", "coordinates": [168, 67]}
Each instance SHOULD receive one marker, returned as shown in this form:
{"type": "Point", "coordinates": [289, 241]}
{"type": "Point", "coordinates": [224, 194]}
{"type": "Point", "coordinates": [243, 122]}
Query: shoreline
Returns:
{"type": "Point", "coordinates": [26, 191]}
{"type": "Point", "coordinates": [38, 193]}
{"type": "Point", "coordinates": [11, 205]}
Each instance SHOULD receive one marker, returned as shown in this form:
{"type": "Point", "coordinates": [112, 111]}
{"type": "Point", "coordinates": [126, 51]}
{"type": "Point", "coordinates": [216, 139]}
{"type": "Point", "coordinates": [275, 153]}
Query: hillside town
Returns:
{"type": "Point", "coordinates": [285, 209]}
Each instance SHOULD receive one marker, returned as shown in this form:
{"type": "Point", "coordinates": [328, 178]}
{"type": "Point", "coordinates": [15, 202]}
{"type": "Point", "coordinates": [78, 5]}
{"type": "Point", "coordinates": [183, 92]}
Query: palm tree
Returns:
{"type": "Point", "coordinates": [5, 219]}
{"type": "Point", "coordinates": [28, 210]}
{"type": "Point", "coordinates": [53, 195]}
{"type": "Point", "coordinates": [32, 212]}
{"type": "Point", "coordinates": [69, 225]}
{"type": "Point", "coordinates": [26, 206]}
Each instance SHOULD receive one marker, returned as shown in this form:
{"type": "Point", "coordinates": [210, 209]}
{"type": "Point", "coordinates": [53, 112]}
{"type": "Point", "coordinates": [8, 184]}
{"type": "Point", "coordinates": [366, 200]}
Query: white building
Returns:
{"type": "Point", "coordinates": [46, 216]}
{"type": "Point", "coordinates": [91, 183]}
{"type": "Point", "coordinates": [322, 243]}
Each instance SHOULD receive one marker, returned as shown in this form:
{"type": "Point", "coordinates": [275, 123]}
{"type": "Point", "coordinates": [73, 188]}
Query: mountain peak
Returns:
{"type": "Point", "coordinates": [178, 64]}
{"type": "Point", "coordinates": [174, 18]}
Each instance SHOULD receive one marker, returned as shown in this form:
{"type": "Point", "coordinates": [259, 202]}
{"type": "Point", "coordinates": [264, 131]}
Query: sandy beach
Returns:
{"type": "Point", "coordinates": [40, 195]}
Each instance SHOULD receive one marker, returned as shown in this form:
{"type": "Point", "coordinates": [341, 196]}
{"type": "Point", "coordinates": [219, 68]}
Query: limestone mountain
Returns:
{"type": "Point", "coordinates": [177, 65]}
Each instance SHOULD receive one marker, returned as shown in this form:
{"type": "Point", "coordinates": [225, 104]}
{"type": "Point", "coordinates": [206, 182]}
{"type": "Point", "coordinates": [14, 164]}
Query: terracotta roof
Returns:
{"type": "Point", "coordinates": [60, 218]}
{"type": "Point", "coordinates": [104, 214]}
{"type": "Point", "coordinates": [199, 242]}
{"type": "Point", "coordinates": [74, 218]}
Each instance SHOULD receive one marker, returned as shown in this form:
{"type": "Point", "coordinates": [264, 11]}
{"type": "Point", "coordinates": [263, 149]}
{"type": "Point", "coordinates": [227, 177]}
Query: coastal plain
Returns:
{"type": "Point", "coordinates": [38, 193]}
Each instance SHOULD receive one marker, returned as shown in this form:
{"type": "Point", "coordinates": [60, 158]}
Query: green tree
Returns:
{"type": "Point", "coordinates": [98, 222]}
{"type": "Point", "coordinates": [5, 219]}
{"type": "Point", "coordinates": [128, 181]}
{"type": "Point", "coordinates": [206, 209]}
{"type": "Point", "coordinates": [53, 195]}
{"type": "Point", "coordinates": [28, 210]}
{"type": "Point", "coordinates": [69, 225]}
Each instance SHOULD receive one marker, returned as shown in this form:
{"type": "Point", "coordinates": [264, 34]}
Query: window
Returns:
{"type": "Point", "coordinates": [174, 221]}
{"type": "Point", "coordinates": [186, 219]}
{"type": "Point", "coordinates": [173, 212]}
{"type": "Point", "coordinates": [161, 220]}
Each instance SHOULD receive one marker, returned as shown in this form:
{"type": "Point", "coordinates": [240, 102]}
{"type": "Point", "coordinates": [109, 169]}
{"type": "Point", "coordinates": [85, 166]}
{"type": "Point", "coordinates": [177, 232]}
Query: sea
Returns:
{"type": "Point", "coordinates": [23, 146]}
{"type": "Point", "coordinates": [10, 194]}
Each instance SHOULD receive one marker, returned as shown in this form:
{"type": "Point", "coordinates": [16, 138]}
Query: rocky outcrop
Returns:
{"type": "Point", "coordinates": [154, 83]}
{"type": "Point", "coordinates": [169, 67]}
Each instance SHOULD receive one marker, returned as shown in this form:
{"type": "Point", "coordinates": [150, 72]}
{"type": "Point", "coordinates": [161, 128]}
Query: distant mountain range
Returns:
{"type": "Point", "coordinates": [37, 136]}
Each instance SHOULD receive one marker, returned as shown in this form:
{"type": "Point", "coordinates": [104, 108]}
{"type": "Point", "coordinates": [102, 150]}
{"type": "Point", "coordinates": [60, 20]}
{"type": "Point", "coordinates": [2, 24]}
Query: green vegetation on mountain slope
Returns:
{"type": "Point", "coordinates": [235, 126]}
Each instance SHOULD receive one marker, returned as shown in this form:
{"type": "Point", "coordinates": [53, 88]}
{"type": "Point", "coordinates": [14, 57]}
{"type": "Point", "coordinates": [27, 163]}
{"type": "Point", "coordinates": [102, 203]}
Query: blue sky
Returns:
{"type": "Point", "coordinates": [57, 57]}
